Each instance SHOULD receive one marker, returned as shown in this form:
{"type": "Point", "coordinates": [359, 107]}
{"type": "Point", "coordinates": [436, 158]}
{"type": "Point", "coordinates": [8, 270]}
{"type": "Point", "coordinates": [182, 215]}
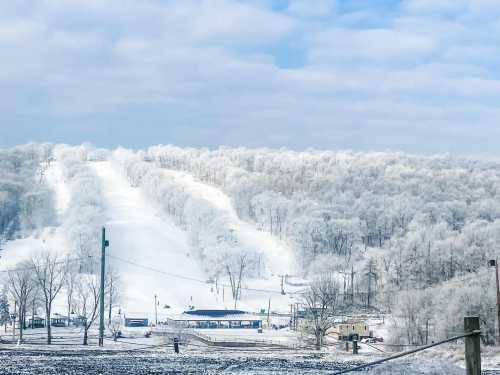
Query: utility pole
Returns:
{"type": "Point", "coordinates": [352, 284]}
{"type": "Point", "coordinates": [282, 284]}
{"type": "Point", "coordinates": [494, 262]}
{"type": "Point", "coordinates": [370, 274]}
{"type": "Point", "coordinates": [104, 245]}
{"type": "Point", "coordinates": [156, 310]}
{"type": "Point", "coordinates": [268, 311]}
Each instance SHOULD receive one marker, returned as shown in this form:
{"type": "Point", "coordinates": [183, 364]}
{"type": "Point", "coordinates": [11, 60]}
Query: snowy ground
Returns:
{"type": "Point", "coordinates": [135, 354]}
{"type": "Point", "coordinates": [61, 360]}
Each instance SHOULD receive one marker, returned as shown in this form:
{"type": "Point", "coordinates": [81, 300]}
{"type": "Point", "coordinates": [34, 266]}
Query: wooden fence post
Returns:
{"type": "Point", "coordinates": [354, 346]}
{"type": "Point", "coordinates": [472, 346]}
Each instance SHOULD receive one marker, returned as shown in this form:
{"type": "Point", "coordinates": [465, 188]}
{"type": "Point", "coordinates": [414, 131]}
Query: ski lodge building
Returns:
{"type": "Point", "coordinates": [215, 319]}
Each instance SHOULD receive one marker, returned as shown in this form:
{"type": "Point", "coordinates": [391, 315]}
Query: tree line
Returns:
{"type": "Point", "coordinates": [35, 285]}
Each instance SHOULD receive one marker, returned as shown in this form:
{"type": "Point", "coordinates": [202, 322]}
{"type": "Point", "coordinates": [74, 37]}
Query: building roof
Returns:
{"type": "Point", "coordinates": [231, 317]}
{"type": "Point", "coordinates": [214, 312]}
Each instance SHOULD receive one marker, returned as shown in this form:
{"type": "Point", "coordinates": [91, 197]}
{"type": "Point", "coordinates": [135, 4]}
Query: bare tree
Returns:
{"type": "Point", "coordinates": [21, 287]}
{"type": "Point", "coordinates": [87, 288]}
{"type": "Point", "coordinates": [112, 290]}
{"type": "Point", "coordinates": [115, 325]}
{"type": "Point", "coordinates": [49, 273]}
{"type": "Point", "coordinates": [320, 300]}
{"type": "Point", "coordinates": [70, 285]}
{"type": "Point", "coordinates": [236, 272]}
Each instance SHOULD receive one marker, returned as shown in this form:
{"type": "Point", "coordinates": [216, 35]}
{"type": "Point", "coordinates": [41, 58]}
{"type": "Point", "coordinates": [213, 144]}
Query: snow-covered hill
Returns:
{"type": "Point", "coordinates": [151, 254]}
{"type": "Point", "coordinates": [139, 235]}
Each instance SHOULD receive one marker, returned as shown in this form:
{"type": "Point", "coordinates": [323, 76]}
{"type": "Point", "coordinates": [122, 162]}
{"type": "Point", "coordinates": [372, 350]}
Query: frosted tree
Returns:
{"type": "Point", "coordinates": [87, 301]}
{"type": "Point", "coordinates": [4, 308]}
{"type": "Point", "coordinates": [320, 301]}
{"type": "Point", "coordinates": [21, 286]}
{"type": "Point", "coordinates": [49, 274]}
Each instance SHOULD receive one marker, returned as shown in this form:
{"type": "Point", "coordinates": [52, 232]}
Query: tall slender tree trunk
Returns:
{"type": "Point", "coordinates": [318, 339]}
{"type": "Point", "coordinates": [69, 312]}
{"type": "Point", "coordinates": [21, 322]}
{"type": "Point", "coordinates": [85, 336]}
{"type": "Point", "coordinates": [49, 328]}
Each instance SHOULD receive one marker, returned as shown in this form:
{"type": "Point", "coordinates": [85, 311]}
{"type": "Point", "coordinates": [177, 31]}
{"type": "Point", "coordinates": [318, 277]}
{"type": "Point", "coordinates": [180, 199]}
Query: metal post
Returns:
{"type": "Point", "coordinates": [472, 346]}
{"type": "Point", "coordinates": [498, 299]}
{"type": "Point", "coordinates": [104, 244]}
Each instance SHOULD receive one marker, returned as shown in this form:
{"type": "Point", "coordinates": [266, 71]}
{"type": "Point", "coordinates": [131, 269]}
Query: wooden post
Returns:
{"type": "Point", "coordinates": [176, 345]}
{"type": "Point", "coordinates": [498, 299]}
{"type": "Point", "coordinates": [472, 346]}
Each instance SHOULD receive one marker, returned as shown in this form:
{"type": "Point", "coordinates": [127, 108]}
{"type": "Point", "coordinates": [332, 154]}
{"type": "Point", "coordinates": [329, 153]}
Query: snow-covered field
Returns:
{"type": "Point", "coordinates": [120, 359]}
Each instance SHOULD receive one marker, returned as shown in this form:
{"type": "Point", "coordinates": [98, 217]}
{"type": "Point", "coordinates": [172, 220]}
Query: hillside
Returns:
{"type": "Point", "coordinates": [400, 232]}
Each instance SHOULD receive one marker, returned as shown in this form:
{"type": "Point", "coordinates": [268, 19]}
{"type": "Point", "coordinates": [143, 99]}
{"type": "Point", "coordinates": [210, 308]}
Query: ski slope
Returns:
{"type": "Point", "coordinates": [151, 254]}
{"type": "Point", "coordinates": [279, 256]}
{"type": "Point", "coordinates": [146, 243]}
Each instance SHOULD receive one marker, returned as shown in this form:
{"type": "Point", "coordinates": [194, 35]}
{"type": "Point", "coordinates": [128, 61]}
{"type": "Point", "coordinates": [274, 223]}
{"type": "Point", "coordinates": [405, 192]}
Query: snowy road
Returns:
{"type": "Point", "coordinates": [140, 235]}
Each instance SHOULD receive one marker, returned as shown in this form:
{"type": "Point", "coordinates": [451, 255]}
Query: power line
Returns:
{"type": "Point", "coordinates": [188, 278]}
{"type": "Point", "coordinates": [58, 263]}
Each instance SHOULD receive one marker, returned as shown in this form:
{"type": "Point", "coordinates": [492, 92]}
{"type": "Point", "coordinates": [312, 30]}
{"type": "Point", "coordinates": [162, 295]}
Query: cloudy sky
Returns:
{"type": "Point", "coordinates": [414, 75]}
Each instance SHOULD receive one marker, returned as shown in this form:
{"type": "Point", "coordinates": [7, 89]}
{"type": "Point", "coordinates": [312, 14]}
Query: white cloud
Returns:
{"type": "Point", "coordinates": [311, 8]}
{"type": "Point", "coordinates": [195, 67]}
{"type": "Point", "coordinates": [223, 20]}
{"type": "Point", "coordinates": [372, 45]}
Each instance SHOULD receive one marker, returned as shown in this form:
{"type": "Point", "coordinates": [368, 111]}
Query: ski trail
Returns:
{"type": "Point", "coordinates": [55, 180]}
{"type": "Point", "coordinates": [279, 256]}
{"type": "Point", "coordinates": [138, 234]}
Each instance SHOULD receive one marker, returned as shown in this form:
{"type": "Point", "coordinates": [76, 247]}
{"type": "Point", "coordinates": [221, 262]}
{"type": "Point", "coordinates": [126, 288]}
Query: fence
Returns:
{"type": "Point", "coordinates": [472, 350]}
{"type": "Point", "coordinates": [471, 335]}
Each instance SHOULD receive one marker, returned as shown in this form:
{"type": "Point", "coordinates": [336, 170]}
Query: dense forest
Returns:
{"type": "Point", "coordinates": [25, 200]}
{"type": "Point", "coordinates": [388, 224]}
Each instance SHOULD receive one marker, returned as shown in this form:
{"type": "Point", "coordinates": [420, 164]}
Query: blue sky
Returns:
{"type": "Point", "coordinates": [413, 75]}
